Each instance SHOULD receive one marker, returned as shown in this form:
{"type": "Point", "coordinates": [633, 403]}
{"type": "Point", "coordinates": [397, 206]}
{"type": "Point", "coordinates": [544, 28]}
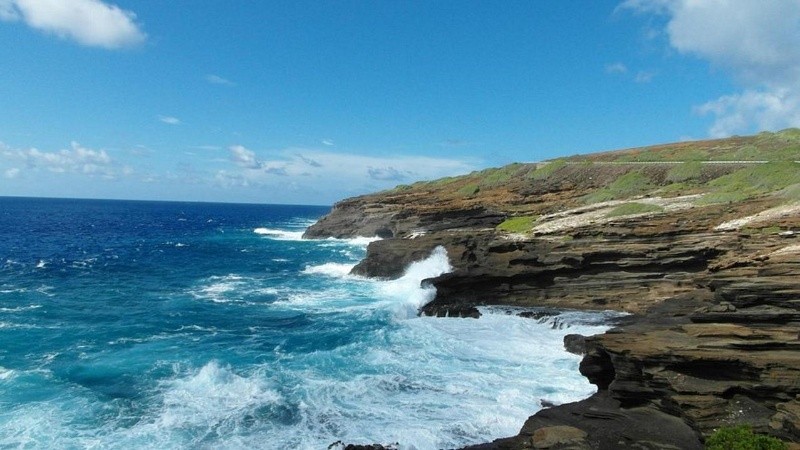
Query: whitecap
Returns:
{"type": "Point", "coordinates": [358, 241]}
{"type": "Point", "coordinates": [41, 264]}
{"type": "Point", "coordinates": [13, 290]}
{"type": "Point", "coordinates": [280, 235]}
{"type": "Point", "coordinates": [20, 308]}
{"type": "Point", "coordinates": [6, 374]}
{"type": "Point", "coordinates": [213, 398]}
{"type": "Point", "coordinates": [335, 270]}
{"type": "Point", "coordinates": [231, 288]}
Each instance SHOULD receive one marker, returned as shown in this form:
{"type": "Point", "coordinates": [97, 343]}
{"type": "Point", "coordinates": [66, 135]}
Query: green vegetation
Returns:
{"type": "Point", "coordinates": [469, 190]}
{"type": "Point", "coordinates": [628, 185]}
{"type": "Point", "coordinates": [521, 224]}
{"type": "Point", "coordinates": [764, 231]}
{"type": "Point", "coordinates": [791, 192]}
{"type": "Point", "coordinates": [742, 438]}
{"type": "Point", "coordinates": [752, 181]}
{"type": "Point", "coordinates": [495, 177]}
{"type": "Point", "coordinates": [779, 146]}
{"type": "Point", "coordinates": [687, 171]}
{"type": "Point", "coordinates": [628, 209]}
{"type": "Point", "coordinates": [548, 169]}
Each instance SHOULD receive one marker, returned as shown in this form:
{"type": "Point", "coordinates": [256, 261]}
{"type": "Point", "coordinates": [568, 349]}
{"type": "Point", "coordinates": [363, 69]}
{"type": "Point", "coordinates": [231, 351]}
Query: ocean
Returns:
{"type": "Point", "coordinates": [189, 325]}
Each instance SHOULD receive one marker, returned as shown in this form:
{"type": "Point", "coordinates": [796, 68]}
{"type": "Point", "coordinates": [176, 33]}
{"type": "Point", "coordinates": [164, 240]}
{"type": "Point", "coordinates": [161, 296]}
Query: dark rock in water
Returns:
{"type": "Point", "coordinates": [575, 344]}
{"type": "Point", "coordinates": [458, 310]}
{"type": "Point", "coordinates": [546, 403]}
{"type": "Point", "coordinates": [599, 423]}
{"type": "Point", "coordinates": [538, 315]}
{"type": "Point", "coordinates": [339, 445]}
{"type": "Point", "coordinates": [370, 447]}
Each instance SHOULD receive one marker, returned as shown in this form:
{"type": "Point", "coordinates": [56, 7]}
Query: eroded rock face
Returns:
{"type": "Point", "coordinates": [714, 338]}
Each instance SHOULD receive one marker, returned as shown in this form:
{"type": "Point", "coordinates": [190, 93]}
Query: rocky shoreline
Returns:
{"type": "Point", "coordinates": [713, 289]}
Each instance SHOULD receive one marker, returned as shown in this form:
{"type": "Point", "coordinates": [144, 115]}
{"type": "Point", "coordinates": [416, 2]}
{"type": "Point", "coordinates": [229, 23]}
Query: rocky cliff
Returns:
{"type": "Point", "coordinates": [699, 241]}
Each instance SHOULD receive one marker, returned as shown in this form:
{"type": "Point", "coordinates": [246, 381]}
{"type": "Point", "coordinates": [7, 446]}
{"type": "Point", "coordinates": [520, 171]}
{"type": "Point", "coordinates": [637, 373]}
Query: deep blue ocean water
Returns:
{"type": "Point", "coordinates": [187, 325]}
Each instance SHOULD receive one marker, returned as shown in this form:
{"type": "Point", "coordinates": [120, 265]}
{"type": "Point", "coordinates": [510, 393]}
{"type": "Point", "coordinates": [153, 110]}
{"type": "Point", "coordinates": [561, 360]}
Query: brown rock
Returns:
{"type": "Point", "coordinates": [559, 437]}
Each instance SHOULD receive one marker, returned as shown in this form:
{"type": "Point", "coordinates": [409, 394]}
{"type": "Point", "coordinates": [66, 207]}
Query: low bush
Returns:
{"type": "Point", "coordinates": [628, 185]}
{"type": "Point", "coordinates": [521, 224]}
{"type": "Point", "coordinates": [742, 438]}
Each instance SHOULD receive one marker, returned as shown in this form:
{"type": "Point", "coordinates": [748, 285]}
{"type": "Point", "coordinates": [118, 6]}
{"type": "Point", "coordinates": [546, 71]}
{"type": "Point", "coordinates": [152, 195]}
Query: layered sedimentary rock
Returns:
{"type": "Point", "coordinates": [713, 288]}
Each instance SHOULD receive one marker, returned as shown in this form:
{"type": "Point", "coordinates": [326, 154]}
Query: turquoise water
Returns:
{"type": "Point", "coordinates": [179, 325]}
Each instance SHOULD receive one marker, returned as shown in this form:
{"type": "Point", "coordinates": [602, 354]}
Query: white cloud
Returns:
{"type": "Point", "coordinates": [757, 42]}
{"type": "Point", "coordinates": [11, 173]}
{"type": "Point", "coordinates": [327, 142]}
{"type": "Point", "coordinates": [352, 173]}
{"type": "Point", "coordinates": [644, 76]}
{"type": "Point", "coordinates": [76, 159]}
{"type": "Point", "coordinates": [616, 68]}
{"type": "Point", "coordinates": [169, 120]}
{"type": "Point", "coordinates": [388, 173]}
{"type": "Point", "coordinates": [768, 110]}
{"type": "Point", "coordinates": [243, 157]}
{"type": "Point", "coordinates": [216, 79]}
{"type": "Point", "coordinates": [89, 22]}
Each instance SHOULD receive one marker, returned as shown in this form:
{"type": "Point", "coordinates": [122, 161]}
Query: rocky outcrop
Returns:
{"type": "Point", "coordinates": [714, 335]}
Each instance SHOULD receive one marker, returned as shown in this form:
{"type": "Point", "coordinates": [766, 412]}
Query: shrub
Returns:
{"type": "Point", "coordinates": [469, 190]}
{"type": "Point", "coordinates": [494, 177]}
{"type": "Point", "coordinates": [521, 224]}
{"type": "Point", "coordinates": [742, 438]}
{"type": "Point", "coordinates": [628, 185]}
{"type": "Point", "coordinates": [548, 169]}
{"type": "Point", "coordinates": [685, 172]}
{"type": "Point", "coordinates": [752, 181]}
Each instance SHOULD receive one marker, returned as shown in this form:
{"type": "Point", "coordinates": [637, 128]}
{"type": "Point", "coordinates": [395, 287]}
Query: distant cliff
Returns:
{"type": "Point", "coordinates": [698, 239]}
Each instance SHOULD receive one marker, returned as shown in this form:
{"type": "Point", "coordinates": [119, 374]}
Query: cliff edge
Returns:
{"type": "Point", "coordinates": [698, 240]}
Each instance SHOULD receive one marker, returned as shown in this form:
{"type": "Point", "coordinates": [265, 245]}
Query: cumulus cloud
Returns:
{"type": "Point", "coordinates": [216, 79]}
{"type": "Point", "coordinates": [757, 42]}
{"type": "Point", "coordinates": [89, 22]}
{"type": "Point", "coordinates": [243, 157]}
{"type": "Point", "coordinates": [768, 110]}
{"type": "Point", "coordinates": [169, 120]}
{"type": "Point", "coordinates": [11, 173]}
{"type": "Point", "coordinates": [77, 159]}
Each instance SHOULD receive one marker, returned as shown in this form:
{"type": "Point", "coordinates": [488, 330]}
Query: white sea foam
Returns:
{"type": "Point", "coordinates": [406, 292]}
{"type": "Point", "coordinates": [6, 374]}
{"type": "Point", "coordinates": [231, 288]}
{"type": "Point", "coordinates": [358, 241]}
{"type": "Point", "coordinates": [213, 399]}
{"type": "Point", "coordinates": [280, 235]}
{"type": "Point", "coordinates": [41, 264]}
{"type": "Point", "coordinates": [12, 290]}
{"type": "Point", "coordinates": [20, 308]}
{"type": "Point", "coordinates": [335, 270]}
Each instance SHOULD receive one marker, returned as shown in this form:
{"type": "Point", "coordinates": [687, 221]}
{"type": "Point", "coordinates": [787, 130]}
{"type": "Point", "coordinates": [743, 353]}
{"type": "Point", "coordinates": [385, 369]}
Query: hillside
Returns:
{"type": "Point", "coordinates": [699, 240]}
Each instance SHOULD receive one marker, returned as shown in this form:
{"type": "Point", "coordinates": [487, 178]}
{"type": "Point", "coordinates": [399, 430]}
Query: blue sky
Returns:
{"type": "Point", "coordinates": [312, 101]}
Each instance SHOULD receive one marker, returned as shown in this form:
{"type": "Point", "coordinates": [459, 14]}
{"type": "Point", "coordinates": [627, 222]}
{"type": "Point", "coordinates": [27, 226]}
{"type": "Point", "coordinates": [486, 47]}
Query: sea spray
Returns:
{"type": "Point", "coordinates": [407, 292]}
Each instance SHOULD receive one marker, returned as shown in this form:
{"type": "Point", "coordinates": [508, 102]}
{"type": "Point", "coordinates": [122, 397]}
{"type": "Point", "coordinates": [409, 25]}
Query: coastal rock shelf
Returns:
{"type": "Point", "coordinates": [713, 338]}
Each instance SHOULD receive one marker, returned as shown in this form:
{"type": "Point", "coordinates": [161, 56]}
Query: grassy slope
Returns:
{"type": "Point", "coordinates": [712, 168]}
